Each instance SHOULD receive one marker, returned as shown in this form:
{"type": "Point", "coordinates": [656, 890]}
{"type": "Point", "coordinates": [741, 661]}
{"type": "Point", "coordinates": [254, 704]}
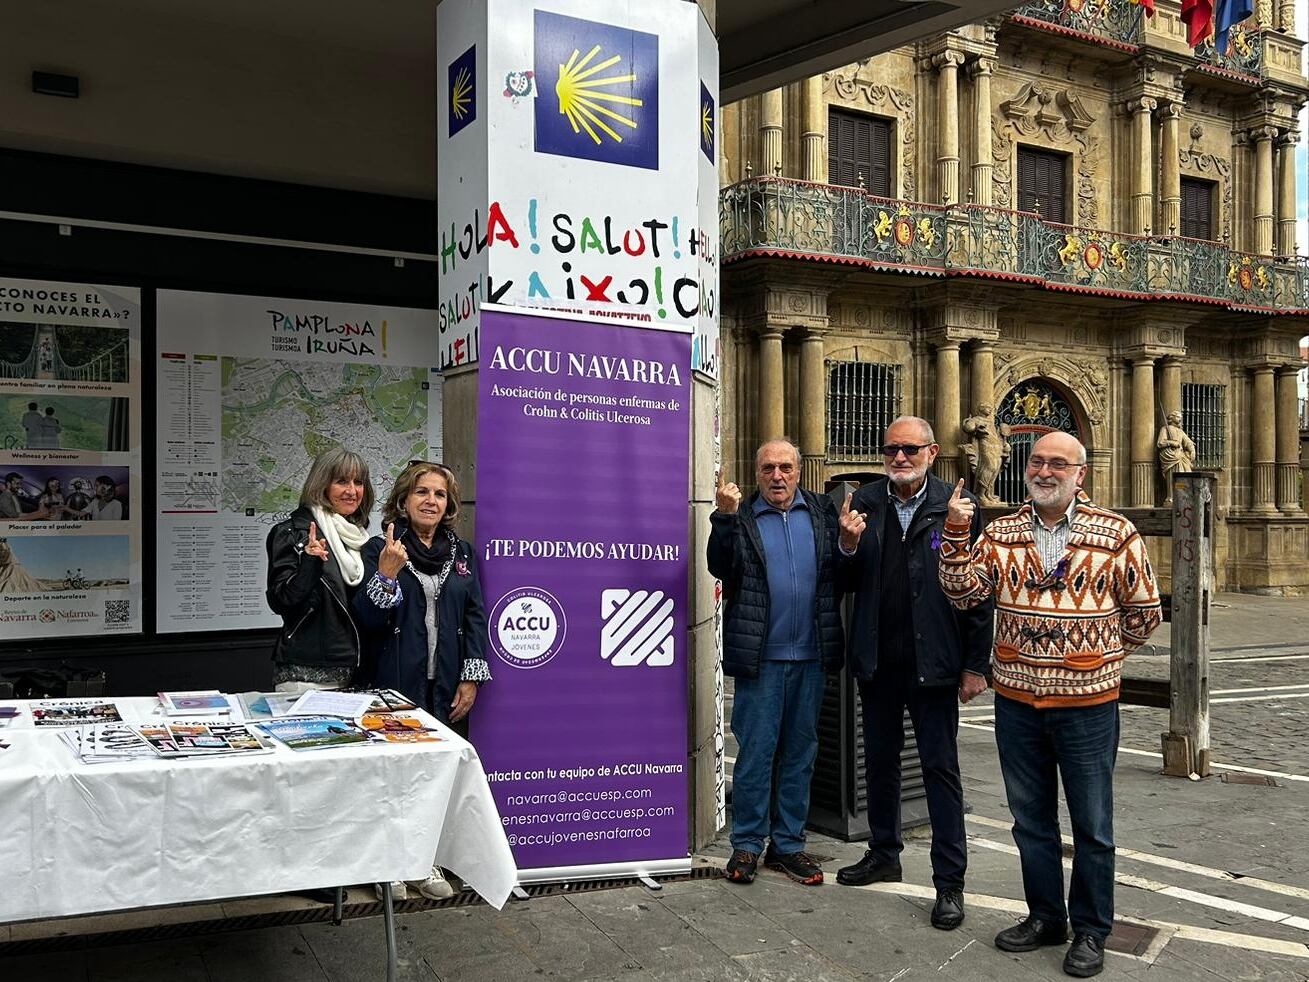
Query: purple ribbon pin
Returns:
{"type": "Point", "coordinates": [936, 540]}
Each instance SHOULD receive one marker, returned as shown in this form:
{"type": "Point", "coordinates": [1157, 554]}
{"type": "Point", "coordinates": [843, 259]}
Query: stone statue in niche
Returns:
{"type": "Point", "coordinates": [986, 451]}
{"type": "Point", "coordinates": [1176, 452]}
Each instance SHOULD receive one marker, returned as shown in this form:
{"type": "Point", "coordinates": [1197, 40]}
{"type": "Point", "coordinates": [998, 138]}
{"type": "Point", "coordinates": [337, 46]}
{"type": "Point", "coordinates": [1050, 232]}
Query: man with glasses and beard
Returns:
{"type": "Point", "coordinates": [909, 647]}
{"type": "Point", "coordinates": [1074, 594]}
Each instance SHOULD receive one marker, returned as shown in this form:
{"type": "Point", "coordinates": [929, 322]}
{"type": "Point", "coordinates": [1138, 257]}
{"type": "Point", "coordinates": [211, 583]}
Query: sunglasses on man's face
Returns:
{"type": "Point", "coordinates": [908, 449]}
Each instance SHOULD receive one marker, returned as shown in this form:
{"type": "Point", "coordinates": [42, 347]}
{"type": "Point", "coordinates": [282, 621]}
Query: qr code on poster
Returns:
{"type": "Point", "coordinates": [118, 612]}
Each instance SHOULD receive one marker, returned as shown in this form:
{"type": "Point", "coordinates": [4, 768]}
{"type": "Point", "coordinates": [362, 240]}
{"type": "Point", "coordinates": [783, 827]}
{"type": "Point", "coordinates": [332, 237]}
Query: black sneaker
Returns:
{"type": "Point", "coordinates": [796, 865]}
{"type": "Point", "coordinates": [1031, 934]}
{"type": "Point", "coordinates": [741, 868]}
{"type": "Point", "coordinates": [870, 869]}
{"type": "Point", "coordinates": [948, 913]}
{"type": "Point", "coordinates": [1085, 957]}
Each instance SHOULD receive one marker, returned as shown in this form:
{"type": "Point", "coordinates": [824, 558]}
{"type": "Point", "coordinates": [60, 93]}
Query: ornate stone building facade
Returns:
{"type": "Point", "coordinates": [1059, 219]}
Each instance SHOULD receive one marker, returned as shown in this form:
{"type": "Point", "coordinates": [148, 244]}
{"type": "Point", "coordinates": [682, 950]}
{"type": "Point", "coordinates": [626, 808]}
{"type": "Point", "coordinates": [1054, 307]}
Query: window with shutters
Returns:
{"type": "Point", "coordinates": [1197, 208]}
{"type": "Point", "coordinates": [863, 398]}
{"type": "Point", "coordinates": [1204, 418]}
{"type": "Point", "coordinates": [859, 146]}
{"type": "Point", "coordinates": [1042, 183]}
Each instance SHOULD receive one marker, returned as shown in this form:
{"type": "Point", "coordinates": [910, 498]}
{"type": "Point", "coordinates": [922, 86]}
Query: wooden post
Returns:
{"type": "Point", "coordinates": [1186, 744]}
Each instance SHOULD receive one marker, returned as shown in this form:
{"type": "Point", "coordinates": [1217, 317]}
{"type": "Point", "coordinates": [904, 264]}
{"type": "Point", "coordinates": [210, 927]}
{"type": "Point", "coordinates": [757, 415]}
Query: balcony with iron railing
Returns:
{"type": "Point", "coordinates": [1121, 25]}
{"type": "Point", "coordinates": [776, 216]}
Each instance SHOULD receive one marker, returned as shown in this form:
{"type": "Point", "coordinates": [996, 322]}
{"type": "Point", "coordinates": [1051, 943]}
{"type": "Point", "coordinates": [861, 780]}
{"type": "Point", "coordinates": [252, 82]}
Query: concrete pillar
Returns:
{"type": "Point", "coordinates": [1263, 415]}
{"type": "Point", "coordinates": [947, 160]}
{"type": "Point", "coordinates": [1170, 176]}
{"type": "Point", "coordinates": [1286, 195]}
{"type": "Point", "coordinates": [983, 376]}
{"type": "Point", "coordinates": [948, 432]}
{"type": "Point", "coordinates": [771, 403]}
{"type": "Point", "coordinates": [813, 413]}
{"type": "Point", "coordinates": [1143, 173]}
{"type": "Point", "coordinates": [981, 178]}
{"type": "Point", "coordinates": [1263, 189]}
{"type": "Point", "coordinates": [815, 126]}
{"type": "Point", "coordinates": [1288, 441]}
{"type": "Point", "coordinates": [770, 131]}
{"type": "Point", "coordinates": [1143, 432]}
{"type": "Point", "coordinates": [1170, 386]}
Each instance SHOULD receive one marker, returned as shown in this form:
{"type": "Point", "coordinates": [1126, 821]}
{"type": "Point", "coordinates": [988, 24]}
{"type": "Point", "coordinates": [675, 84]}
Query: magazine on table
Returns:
{"type": "Point", "coordinates": [207, 702]}
{"type": "Point", "coordinates": [314, 732]}
{"type": "Point", "coordinates": [208, 737]}
{"type": "Point", "coordinates": [262, 705]}
{"type": "Point", "coordinates": [74, 712]}
{"type": "Point", "coordinates": [399, 728]}
{"type": "Point", "coordinates": [106, 743]}
{"type": "Point", "coordinates": [389, 701]}
{"type": "Point", "coordinates": [8, 714]}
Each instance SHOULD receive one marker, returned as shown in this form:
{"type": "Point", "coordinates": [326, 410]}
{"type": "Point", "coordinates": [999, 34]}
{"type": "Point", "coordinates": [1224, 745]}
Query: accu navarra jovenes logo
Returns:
{"type": "Point", "coordinates": [528, 627]}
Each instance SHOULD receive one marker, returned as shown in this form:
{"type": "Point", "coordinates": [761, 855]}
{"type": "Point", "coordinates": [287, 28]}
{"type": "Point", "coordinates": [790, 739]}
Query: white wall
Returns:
{"type": "Point", "coordinates": [229, 89]}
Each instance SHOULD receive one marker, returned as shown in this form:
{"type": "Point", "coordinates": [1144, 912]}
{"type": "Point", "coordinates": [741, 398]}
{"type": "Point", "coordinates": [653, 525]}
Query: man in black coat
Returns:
{"type": "Point", "coordinates": [910, 647]}
{"type": "Point", "coordinates": [776, 556]}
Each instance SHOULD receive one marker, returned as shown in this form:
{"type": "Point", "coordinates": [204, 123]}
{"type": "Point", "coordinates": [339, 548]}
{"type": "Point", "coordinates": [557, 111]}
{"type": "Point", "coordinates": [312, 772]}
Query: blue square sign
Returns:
{"type": "Point", "coordinates": [462, 109]}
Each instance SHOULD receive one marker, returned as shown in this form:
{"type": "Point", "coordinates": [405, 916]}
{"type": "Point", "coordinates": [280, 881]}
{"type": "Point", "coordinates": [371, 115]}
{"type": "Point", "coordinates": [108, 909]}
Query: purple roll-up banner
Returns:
{"type": "Point", "coordinates": [583, 457]}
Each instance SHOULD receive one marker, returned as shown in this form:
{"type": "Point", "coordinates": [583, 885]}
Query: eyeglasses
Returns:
{"type": "Point", "coordinates": [1057, 466]}
{"type": "Point", "coordinates": [908, 449]}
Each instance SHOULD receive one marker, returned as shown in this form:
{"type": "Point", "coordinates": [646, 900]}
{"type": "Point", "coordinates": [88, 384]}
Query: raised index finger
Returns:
{"type": "Point", "coordinates": [958, 490]}
{"type": "Point", "coordinates": [390, 533]}
{"type": "Point", "coordinates": [313, 532]}
{"type": "Point", "coordinates": [845, 508]}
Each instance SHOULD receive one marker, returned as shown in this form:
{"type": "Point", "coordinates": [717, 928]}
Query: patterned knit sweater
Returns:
{"type": "Point", "coordinates": [1061, 634]}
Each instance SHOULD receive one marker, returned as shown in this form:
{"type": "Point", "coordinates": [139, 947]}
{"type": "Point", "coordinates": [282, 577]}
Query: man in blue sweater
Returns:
{"type": "Point", "coordinates": [775, 554]}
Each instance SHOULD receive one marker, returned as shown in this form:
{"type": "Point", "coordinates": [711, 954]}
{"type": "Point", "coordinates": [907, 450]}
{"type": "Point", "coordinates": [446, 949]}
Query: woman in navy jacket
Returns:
{"type": "Point", "coordinates": [422, 614]}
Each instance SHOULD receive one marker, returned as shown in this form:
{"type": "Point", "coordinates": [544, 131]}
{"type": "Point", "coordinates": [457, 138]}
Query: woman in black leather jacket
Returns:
{"type": "Point", "coordinates": [314, 570]}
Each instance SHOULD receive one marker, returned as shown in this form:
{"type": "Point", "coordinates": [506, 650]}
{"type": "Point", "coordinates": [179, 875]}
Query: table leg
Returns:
{"type": "Point", "coordinates": [336, 906]}
{"type": "Point", "coordinates": [388, 918]}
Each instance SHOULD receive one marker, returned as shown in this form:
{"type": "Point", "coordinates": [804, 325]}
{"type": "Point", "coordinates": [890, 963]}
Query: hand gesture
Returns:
{"type": "Point", "coordinates": [852, 526]}
{"type": "Point", "coordinates": [729, 497]}
{"type": "Point", "coordinates": [393, 557]}
{"type": "Point", "coordinates": [316, 547]}
{"type": "Point", "coordinates": [960, 508]}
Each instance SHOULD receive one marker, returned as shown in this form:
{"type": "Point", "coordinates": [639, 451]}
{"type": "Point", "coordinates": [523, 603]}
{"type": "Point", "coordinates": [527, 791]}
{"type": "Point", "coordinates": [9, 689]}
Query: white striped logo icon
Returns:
{"type": "Point", "coordinates": [637, 627]}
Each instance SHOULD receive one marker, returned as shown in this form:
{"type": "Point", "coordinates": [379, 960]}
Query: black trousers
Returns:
{"type": "Point", "coordinates": [935, 714]}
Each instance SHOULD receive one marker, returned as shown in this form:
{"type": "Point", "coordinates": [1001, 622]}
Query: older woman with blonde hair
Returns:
{"type": "Point", "coordinates": [422, 613]}
{"type": "Point", "coordinates": [314, 571]}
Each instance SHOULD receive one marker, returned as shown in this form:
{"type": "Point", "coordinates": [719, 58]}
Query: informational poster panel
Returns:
{"type": "Point", "coordinates": [70, 459]}
{"type": "Point", "coordinates": [584, 571]}
{"type": "Point", "coordinates": [250, 390]}
{"type": "Point", "coordinates": [577, 171]}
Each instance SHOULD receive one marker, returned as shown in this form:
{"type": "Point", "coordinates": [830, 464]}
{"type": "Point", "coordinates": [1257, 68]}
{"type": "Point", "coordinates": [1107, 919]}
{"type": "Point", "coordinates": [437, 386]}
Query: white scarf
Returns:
{"type": "Point", "coordinates": [344, 540]}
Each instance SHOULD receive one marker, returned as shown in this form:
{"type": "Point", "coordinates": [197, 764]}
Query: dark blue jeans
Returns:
{"type": "Point", "coordinates": [935, 714]}
{"type": "Point", "coordinates": [1082, 743]}
{"type": "Point", "coordinates": [775, 715]}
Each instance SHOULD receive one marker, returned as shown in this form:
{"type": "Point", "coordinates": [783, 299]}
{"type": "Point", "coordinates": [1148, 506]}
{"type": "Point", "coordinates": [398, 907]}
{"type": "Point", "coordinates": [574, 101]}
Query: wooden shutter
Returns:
{"type": "Point", "coordinates": [1041, 184]}
{"type": "Point", "coordinates": [858, 144]}
{"type": "Point", "coordinates": [1197, 209]}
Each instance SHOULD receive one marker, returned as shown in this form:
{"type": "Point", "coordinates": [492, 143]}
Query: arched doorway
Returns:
{"type": "Point", "coordinates": [1031, 409]}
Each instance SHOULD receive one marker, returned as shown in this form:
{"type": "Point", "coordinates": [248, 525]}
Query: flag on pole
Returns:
{"type": "Point", "coordinates": [1147, 4]}
{"type": "Point", "coordinates": [1198, 16]}
{"type": "Point", "coordinates": [1227, 14]}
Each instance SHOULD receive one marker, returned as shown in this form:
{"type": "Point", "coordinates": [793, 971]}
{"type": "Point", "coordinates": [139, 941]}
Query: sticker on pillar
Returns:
{"type": "Point", "coordinates": [463, 90]}
{"type": "Point", "coordinates": [637, 627]}
{"type": "Point", "coordinates": [707, 124]}
{"type": "Point", "coordinates": [598, 91]}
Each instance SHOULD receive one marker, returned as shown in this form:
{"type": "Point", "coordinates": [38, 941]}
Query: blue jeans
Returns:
{"type": "Point", "coordinates": [1082, 742]}
{"type": "Point", "coordinates": [775, 715]}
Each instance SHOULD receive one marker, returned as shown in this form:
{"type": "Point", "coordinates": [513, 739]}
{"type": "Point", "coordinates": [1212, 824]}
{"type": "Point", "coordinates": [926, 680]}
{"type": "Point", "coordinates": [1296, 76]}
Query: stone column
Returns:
{"type": "Point", "coordinates": [813, 413]}
{"type": "Point", "coordinates": [771, 404]}
{"type": "Point", "coordinates": [1143, 432]}
{"type": "Point", "coordinates": [1170, 176]}
{"type": "Point", "coordinates": [1286, 195]}
{"type": "Point", "coordinates": [981, 178]}
{"type": "Point", "coordinates": [770, 131]}
{"type": "Point", "coordinates": [1263, 416]}
{"type": "Point", "coordinates": [947, 160]}
{"type": "Point", "coordinates": [1170, 385]}
{"type": "Point", "coordinates": [983, 375]}
{"type": "Point", "coordinates": [1288, 441]}
{"type": "Point", "coordinates": [815, 126]}
{"type": "Point", "coordinates": [948, 433]}
{"type": "Point", "coordinates": [1143, 174]}
{"type": "Point", "coordinates": [1263, 189]}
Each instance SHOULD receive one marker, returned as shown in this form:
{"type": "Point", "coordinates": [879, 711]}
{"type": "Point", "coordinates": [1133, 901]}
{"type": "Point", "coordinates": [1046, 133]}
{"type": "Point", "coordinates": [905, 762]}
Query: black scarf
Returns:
{"type": "Point", "coordinates": [430, 560]}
